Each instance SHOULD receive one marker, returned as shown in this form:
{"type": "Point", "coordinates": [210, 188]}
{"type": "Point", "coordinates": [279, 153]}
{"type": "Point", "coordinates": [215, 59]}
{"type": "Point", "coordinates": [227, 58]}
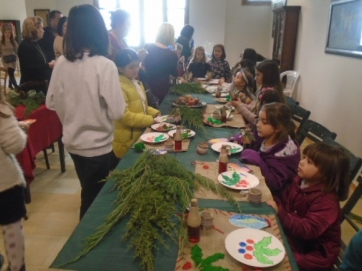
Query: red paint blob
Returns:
{"type": "Point", "coordinates": [187, 266]}
{"type": "Point", "coordinates": [250, 241]}
{"type": "Point", "coordinates": [248, 256]}
{"type": "Point", "coordinates": [249, 248]}
{"type": "Point", "coordinates": [206, 167]}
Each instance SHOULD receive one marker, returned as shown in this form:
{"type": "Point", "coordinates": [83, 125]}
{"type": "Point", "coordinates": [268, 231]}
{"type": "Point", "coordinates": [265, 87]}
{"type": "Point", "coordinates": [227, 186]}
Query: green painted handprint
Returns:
{"type": "Point", "coordinates": [160, 138]}
{"type": "Point", "coordinates": [261, 251]}
{"type": "Point", "coordinates": [231, 181]}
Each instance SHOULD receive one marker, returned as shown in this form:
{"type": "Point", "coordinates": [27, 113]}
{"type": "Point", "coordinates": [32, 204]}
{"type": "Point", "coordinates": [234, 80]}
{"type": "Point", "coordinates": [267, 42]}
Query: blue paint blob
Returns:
{"type": "Point", "coordinates": [242, 244]}
{"type": "Point", "coordinates": [242, 250]}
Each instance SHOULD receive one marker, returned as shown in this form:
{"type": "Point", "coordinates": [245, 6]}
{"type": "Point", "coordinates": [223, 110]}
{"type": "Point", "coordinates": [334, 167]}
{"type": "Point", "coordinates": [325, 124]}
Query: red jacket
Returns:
{"type": "Point", "coordinates": [310, 219]}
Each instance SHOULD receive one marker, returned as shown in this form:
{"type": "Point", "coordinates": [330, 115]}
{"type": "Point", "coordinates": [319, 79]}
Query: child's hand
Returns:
{"type": "Point", "coordinates": [52, 64]}
{"type": "Point", "coordinates": [273, 204]}
{"type": "Point", "coordinates": [182, 59]}
{"type": "Point", "coordinates": [236, 103]}
{"type": "Point", "coordinates": [25, 126]}
{"type": "Point", "coordinates": [221, 81]}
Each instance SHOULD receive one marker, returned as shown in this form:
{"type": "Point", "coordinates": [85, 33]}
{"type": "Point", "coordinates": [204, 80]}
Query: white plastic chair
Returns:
{"type": "Point", "coordinates": [292, 78]}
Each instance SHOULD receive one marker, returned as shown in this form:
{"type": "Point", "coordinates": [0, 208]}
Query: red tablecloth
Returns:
{"type": "Point", "coordinates": [46, 130]}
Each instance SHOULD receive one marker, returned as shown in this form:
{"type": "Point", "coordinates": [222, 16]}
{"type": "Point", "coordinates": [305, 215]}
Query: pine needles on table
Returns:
{"type": "Point", "coordinates": [191, 118]}
{"type": "Point", "coordinates": [188, 88]}
{"type": "Point", "coordinates": [153, 192]}
{"type": "Point", "coordinates": [31, 100]}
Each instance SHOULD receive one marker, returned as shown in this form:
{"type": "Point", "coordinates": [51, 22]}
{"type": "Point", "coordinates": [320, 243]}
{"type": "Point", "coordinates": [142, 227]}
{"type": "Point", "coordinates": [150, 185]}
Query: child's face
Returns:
{"type": "Point", "coordinates": [131, 70]}
{"type": "Point", "coordinates": [307, 169]}
{"type": "Point", "coordinates": [259, 78]}
{"type": "Point", "coordinates": [217, 53]}
{"type": "Point", "coordinates": [239, 80]}
{"type": "Point", "coordinates": [199, 55]}
{"type": "Point", "coordinates": [264, 128]}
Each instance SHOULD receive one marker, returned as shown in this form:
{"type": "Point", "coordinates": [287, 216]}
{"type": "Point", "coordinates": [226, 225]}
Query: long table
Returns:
{"type": "Point", "coordinates": [111, 253]}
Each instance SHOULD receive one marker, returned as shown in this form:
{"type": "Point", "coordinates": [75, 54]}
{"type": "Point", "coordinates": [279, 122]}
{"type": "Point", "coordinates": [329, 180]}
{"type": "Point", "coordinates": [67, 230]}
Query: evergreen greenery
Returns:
{"type": "Point", "coordinates": [153, 192]}
{"type": "Point", "coordinates": [191, 118]}
{"type": "Point", "coordinates": [188, 88]}
{"type": "Point", "coordinates": [31, 100]}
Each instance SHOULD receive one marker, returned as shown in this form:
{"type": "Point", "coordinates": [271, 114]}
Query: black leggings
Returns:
{"type": "Point", "coordinates": [12, 80]}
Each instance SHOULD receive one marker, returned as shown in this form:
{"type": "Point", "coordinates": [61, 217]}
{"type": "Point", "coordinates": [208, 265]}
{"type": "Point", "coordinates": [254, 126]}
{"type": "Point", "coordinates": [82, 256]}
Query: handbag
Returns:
{"type": "Point", "coordinates": [9, 59]}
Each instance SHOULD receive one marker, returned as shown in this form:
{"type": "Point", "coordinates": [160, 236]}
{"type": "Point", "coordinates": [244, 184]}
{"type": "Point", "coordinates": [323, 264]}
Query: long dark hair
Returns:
{"type": "Point", "coordinates": [85, 30]}
{"type": "Point", "coordinates": [250, 54]}
{"type": "Point", "coordinates": [279, 116]}
{"type": "Point", "coordinates": [61, 22]}
{"type": "Point", "coordinates": [271, 77]}
{"type": "Point", "coordinates": [333, 165]}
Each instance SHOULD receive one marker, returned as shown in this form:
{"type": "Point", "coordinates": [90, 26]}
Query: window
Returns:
{"type": "Point", "coordinates": [146, 17]}
{"type": "Point", "coordinates": [256, 2]}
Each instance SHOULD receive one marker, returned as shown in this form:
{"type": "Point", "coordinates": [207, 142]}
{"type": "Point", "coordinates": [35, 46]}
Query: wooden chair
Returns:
{"type": "Point", "coordinates": [299, 115]}
{"type": "Point", "coordinates": [315, 132]}
{"type": "Point", "coordinates": [355, 169]}
{"type": "Point", "coordinates": [3, 78]}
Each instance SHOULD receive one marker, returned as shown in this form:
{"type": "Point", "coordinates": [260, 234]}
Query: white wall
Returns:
{"type": "Point", "coordinates": [330, 85]}
{"type": "Point", "coordinates": [236, 26]}
{"type": "Point", "coordinates": [12, 10]}
{"type": "Point", "coordinates": [247, 27]}
{"type": "Point", "coordinates": [62, 5]}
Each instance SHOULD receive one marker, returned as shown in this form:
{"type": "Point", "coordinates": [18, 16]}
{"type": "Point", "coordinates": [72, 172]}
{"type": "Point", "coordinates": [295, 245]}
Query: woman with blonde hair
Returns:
{"type": "Point", "coordinates": [161, 62]}
{"type": "Point", "coordinates": [33, 63]}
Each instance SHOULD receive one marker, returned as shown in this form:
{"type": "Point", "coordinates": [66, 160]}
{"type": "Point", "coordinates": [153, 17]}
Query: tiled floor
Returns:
{"type": "Point", "coordinates": [54, 211]}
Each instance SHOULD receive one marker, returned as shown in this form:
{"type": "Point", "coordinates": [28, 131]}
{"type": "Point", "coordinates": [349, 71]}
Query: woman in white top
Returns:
{"type": "Point", "coordinates": [85, 92]}
{"type": "Point", "coordinates": [58, 42]}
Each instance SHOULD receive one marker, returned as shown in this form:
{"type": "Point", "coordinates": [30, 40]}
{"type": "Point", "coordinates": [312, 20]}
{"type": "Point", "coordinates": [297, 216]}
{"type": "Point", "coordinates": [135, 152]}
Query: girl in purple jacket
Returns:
{"type": "Point", "coordinates": [274, 151]}
{"type": "Point", "coordinates": [309, 208]}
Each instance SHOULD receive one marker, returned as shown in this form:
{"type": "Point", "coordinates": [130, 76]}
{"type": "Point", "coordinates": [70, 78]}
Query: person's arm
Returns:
{"type": "Point", "coordinates": [245, 111]}
{"type": "Point", "coordinates": [321, 214]}
{"type": "Point", "coordinates": [13, 138]}
{"type": "Point", "coordinates": [30, 59]}
{"type": "Point", "coordinates": [110, 91]}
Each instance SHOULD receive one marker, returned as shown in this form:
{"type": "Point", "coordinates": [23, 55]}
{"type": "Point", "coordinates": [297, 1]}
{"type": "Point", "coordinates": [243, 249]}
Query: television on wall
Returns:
{"type": "Point", "coordinates": [345, 28]}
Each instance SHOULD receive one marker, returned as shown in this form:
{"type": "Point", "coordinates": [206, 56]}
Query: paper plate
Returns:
{"type": "Point", "coordinates": [161, 127]}
{"type": "Point", "coordinates": [154, 137]}
{"type": "Point", "coordinates": [161, 118]}
{"type": "Point", "coordinates": [190, 133]}
{"type": "Point", "coordinates": [216, 140]}
{"type": "Point", "coordinates": [234, 148]}
{"type": "Point", "coordinates": [29, 121]}
{"type": "Point", "coordinates": [222, 100]}
{"type": "Point", "coordinates": [238, 180]}
{"type": "Point", "coordinates": [224, 94]}
{"type": "Point", "coordinates": [254, 247]}
{"type": "Point", "coordinates": [248, 221]}
{"type": "Point", "coordinates": [201, 104]}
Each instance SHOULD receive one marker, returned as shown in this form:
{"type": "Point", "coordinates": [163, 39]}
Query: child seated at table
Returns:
{"type": "Point", "coordinates": [267, 79]}
{"type": "Point", "coordinates": [242, 86]}
{"type": "Point", "coordinates": [275, 151]}
{"type": "Point", "coordinates": [309, 209]}
{"type": "Point", "coordinates": [220, 68]}
{"type": "Point", "coordinates": [12, 202]}
{"type": "Point", "coordinates": [198, 66]}
{"type": "Point", "coordinates": [138, 114]}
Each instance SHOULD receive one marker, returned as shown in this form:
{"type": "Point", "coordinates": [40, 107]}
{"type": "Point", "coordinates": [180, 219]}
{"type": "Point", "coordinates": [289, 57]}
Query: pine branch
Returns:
{"type": "Point", "coordinates": [149, 193]}
{"type": "Point", "coordinates": [188, 88]}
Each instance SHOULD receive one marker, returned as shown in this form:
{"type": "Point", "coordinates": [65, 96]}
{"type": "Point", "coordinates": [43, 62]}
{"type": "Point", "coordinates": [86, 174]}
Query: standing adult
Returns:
{"type": "Point", "coordinates": [8, 51]}
{"type": "Point", "coordinates": [86, 94]}
{"type": "Point", "coordinates": [58, 42]}
{"type": "Point", "coordinates": [33, 63]}
{"type": "Point", "coordinates": [120, 23]}
{"type": "Point", "coordinates": [50, 32]}
{"type": "Point", "coordinates": [161, 62]}
{"type": "Point", "coordinates": [185, 39]}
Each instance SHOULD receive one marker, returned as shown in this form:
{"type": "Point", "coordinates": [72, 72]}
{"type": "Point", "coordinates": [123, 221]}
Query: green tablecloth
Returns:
{"type": "Point", "coordinates": [111, 253]}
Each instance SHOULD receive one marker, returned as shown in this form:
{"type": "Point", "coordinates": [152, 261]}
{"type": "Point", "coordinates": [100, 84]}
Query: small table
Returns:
{"type": "Point", "coordinates": [46, 130]}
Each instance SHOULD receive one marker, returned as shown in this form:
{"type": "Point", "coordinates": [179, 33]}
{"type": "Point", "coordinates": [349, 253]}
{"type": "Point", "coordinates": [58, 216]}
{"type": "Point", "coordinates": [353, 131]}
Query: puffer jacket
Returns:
{"type": "Point", "coordinates": [128, 129]}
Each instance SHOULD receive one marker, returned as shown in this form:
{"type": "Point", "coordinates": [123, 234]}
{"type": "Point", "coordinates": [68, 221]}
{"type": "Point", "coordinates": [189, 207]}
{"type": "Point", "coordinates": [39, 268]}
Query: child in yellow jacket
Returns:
{"type": "Point", "coordinates": [138, 114]}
